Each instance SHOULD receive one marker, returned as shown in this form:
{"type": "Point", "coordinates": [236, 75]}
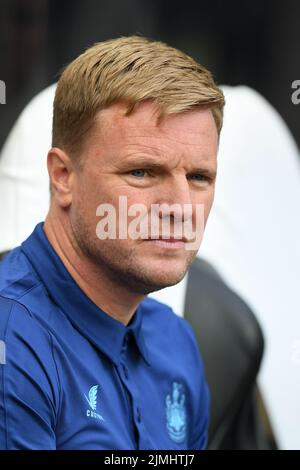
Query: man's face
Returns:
{"type": "Point", "coordinates": [173, 162]}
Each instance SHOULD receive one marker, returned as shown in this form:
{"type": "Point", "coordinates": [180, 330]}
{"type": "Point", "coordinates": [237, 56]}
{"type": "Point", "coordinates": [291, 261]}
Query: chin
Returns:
{"type": "Point", "coordinates": [143, 282]}
{"type": "Point", "coordinates": [161, 280]}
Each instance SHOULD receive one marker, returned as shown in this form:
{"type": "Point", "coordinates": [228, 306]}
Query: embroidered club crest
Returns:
{"type": "Point", "coordinates": [176, 413]}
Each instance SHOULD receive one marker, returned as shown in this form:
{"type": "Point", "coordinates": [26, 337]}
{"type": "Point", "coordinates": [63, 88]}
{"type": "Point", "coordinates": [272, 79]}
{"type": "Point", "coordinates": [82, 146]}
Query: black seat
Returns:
{"type": "Point", "coordinates": [4, 253]}
{"type": "Point", "coordinates": [231, 343]}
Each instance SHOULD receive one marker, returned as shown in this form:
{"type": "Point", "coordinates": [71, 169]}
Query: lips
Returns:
{"type": "Point", "coordinates": [169, 239]}
{"type": "Point", "coordinates": [171, 243]}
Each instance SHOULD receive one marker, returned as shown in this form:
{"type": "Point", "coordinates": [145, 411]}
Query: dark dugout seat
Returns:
{"type": "Point", "coordinates": [3, 254]}
{"type": "Point", "coordinates": [232, 344]}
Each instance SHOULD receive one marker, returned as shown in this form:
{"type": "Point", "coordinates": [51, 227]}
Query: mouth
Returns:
{"type": "Point", "coordinates": [170, 243]}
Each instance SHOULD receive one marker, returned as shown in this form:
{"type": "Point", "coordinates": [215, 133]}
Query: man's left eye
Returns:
{"type": "Point", "coordinates": [138, 173]}
{"type": "Point", "coordinates": [198, 177]}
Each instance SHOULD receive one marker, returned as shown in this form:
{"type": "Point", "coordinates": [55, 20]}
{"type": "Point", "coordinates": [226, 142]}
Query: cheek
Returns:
{"type": "Point", "coordinates": [85, 204]}
{"type": "Point", "coordinates": [206, 201]}
{"type": "Point", "coordinates": [209, 199]}
{"type": "Point", "coordinates": [110, 205]}
{"type": "Point", "coordinates": [134, 206]}
{"type": "Point", "coordinates": [208, 205]}
{"type": "Point", "coordinates": [96, 192]}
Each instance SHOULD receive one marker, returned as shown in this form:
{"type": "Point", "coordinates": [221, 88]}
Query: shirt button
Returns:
{"type": "Point", "coordinates": [125, 343]}
{"type": "Point", "coordinates": [138, 415]}
{"type": "Point", "coordinates": [125, 371]}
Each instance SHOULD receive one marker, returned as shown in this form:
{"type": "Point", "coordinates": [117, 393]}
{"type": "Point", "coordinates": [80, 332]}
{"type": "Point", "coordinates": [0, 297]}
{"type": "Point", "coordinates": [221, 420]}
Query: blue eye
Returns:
{"type": "Point", "coordinates": [198, 177]}
{"type": "Point", "coordinates": [138, 173]}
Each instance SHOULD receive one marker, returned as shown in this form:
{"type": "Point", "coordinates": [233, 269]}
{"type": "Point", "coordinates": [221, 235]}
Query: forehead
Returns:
{"type": "Point", "coordinates": [185, 133]}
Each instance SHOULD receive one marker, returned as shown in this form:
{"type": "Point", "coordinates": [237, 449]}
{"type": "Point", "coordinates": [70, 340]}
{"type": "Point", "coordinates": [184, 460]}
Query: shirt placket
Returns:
{"type": "Point", "coordinates": [127, 359]}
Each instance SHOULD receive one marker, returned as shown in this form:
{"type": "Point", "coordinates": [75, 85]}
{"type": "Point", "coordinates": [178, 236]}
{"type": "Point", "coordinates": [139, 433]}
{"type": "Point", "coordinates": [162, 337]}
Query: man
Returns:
{"type": "Point", "coordinates": [90, 362]}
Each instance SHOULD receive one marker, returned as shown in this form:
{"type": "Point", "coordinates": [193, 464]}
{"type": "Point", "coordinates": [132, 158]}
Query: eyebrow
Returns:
{"type": "Point", "coordinates": [143, 162]}
{"type": "Point", "coordinates": [146, 162]}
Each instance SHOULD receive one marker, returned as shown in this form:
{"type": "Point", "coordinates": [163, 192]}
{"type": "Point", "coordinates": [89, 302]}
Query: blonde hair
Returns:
{"type": "Point", "coordinates": [130, 69]}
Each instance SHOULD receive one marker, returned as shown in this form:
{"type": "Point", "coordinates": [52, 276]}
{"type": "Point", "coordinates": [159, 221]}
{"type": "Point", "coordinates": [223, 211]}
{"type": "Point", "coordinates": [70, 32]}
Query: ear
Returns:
{"type": "Point", "coordinates": [61, 174]}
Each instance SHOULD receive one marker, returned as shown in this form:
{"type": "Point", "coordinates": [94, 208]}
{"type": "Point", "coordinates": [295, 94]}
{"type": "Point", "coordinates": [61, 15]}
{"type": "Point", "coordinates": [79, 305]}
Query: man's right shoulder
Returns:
{"type": "Point", "coordinates": [21, 331]}
{"type": "Point", "coordinates": [13, 317]}
{"type": "Point", "coordinates": [19, 286]}
{"type": "Point", "coordinates": [17, 276]}
{"type": "Point", "coordinates": [29, 383]}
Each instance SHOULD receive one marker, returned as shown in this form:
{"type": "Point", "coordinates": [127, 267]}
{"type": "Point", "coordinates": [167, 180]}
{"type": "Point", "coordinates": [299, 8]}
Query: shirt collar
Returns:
{"type": "Point", "coordinates": [100, 328]}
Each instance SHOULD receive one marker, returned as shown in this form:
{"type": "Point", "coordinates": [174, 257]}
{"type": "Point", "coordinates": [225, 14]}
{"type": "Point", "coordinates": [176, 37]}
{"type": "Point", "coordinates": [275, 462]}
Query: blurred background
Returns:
{"type": "Point", "coordinates": [254, 44]}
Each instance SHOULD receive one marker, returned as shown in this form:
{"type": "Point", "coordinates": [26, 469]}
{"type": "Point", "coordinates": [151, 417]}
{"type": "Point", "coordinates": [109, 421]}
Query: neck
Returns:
{"type": "Point", "coordinates": [115, 300]}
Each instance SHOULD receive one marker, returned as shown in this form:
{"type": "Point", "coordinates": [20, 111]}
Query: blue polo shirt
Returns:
{"type": "Point", "coordinates": [72, 377]}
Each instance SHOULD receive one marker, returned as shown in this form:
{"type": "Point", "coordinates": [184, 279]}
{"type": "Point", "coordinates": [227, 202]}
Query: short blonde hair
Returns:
{"type": "Point", "coordinates": [130, 69]}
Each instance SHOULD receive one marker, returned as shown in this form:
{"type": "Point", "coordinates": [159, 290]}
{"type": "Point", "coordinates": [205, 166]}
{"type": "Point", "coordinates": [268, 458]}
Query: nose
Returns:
{"type": "Point", "coordinates": [175, 199]}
